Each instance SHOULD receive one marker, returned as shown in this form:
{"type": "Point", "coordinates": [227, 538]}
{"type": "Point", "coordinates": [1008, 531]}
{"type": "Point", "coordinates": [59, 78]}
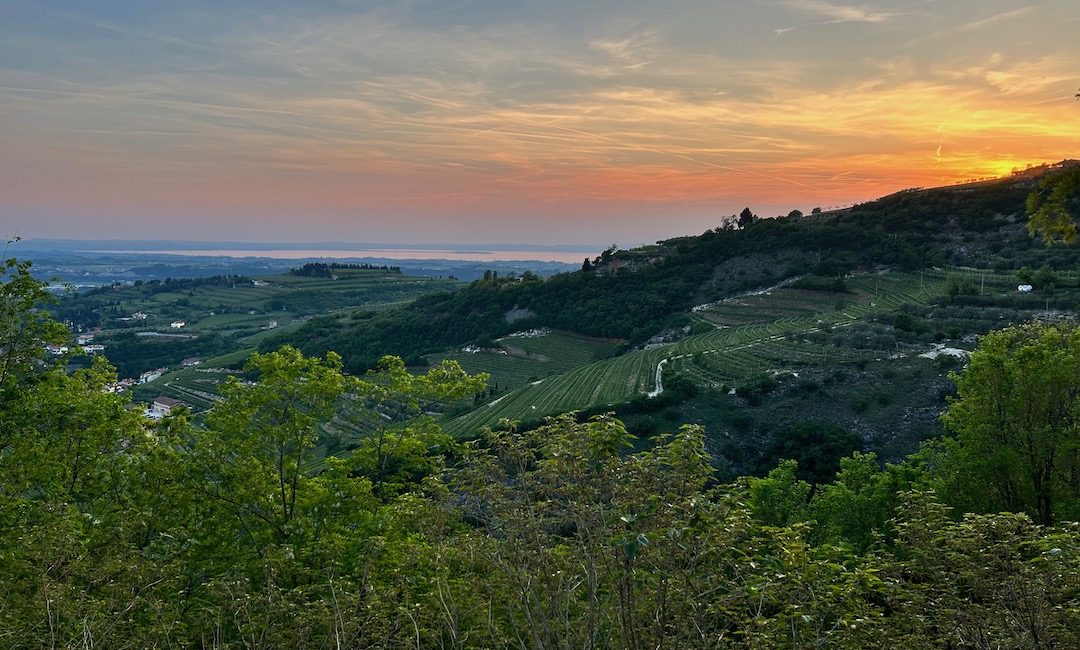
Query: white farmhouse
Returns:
{"type": "Point", "coordinates": [162, 406]}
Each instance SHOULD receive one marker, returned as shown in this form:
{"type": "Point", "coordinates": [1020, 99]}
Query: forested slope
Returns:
{"type": "Point", "coordinates": [122, 534]}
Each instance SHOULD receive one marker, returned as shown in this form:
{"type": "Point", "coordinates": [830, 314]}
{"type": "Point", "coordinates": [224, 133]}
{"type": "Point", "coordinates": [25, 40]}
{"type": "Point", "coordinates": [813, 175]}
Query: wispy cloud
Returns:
{"type": "Point", "coordinates": [831, 14]}
{"type": "Point", "coordinates": [974, 25]}
{"type": "Point", "coordinates": [838, 13]}
{"type": "Point", "coordinates": [142, 98]}
{"type": "Point", "coordinates": [996, 18]}
{"type": "Point", "coordinates": [1030, 78]}
{"type": "Point", "coordinates": [633, 49]}
{"type": "Point", "coordinates": [130, 30]}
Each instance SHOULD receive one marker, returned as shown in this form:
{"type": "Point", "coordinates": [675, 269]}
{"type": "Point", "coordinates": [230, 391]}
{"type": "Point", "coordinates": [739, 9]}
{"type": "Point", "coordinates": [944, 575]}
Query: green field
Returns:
{"type": "Point", "coordinates": [234, 360]}
{"type": "Point", "coordinates": [729, 354]}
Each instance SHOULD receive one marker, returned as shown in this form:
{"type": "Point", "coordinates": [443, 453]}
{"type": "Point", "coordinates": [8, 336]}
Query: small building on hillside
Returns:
{"type": "Point", "coordinates": [119, 386]}
{"type": "Point", "coordinates": [150, 375]}
{"type": "Point", "coordinates": [93, 348]}
{"type": "Point", "coordinates": [1025, 288]}
{"type": "Point", "coordinates": [163, 406]}
{"type": "Point", "coordinates": [191, 361]}
{"type": "Point", "coordinates": [177, 324]}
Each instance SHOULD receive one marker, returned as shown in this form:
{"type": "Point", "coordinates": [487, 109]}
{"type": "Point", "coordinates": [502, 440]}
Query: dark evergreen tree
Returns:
{"type": "Point", "coordinates": [746, 217]}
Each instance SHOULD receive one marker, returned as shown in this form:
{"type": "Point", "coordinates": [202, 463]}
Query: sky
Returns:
{"type": "Point", "coordinates": [554, 121]}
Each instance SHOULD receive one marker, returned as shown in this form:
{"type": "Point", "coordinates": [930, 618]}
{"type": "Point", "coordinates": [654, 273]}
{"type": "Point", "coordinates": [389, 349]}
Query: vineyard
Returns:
{"type": "Point", "coordinates": [732, 353]}
{"type": "Point", "coordinates": [522, 359]}
{"type": "Point", "coordinates": [196, 386]}
{"type": "Point", "coordinates": [540, 373]}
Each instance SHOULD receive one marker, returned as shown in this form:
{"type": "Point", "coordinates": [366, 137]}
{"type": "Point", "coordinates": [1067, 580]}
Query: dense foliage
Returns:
{"type": "Point", "coordinates": [133, 354]}
{"type": "Point", "coordinates": [121, 535]}
{"type": "Point", "coordinates": [1052, 206]}
{"type": "Point", "coordinates": [326, 270]}
{"type": "Point", "coordinates": [1017, 416]}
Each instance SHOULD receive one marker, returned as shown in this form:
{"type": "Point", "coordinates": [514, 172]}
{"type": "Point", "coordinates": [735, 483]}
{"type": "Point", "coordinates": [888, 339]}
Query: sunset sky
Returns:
{"type": "Point", "coordinates": [555, 121]}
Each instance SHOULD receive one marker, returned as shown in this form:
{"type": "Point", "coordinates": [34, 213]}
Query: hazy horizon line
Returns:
{"type": "Point", "coordinates": [180, 244]}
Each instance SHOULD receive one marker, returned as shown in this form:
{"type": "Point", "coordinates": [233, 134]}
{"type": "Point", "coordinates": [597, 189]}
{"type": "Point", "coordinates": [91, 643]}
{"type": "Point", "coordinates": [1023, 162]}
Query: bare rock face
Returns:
{"type": "Point", "coordinates": [517, 314]}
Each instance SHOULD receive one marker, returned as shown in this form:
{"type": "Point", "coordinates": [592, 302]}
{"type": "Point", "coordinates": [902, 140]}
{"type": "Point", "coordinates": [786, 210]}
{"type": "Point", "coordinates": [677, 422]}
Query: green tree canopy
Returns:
{"type": "Point", "coordinates": [1017, 423]}
{"type": "Point", "coordinates": [1051, 207]}
{"type": "Point", "coordinates": [816, 446]}
{"type": "Point", "coordinates": [24, 327]}
{"type": "Point", "coordinates": [116, 533]}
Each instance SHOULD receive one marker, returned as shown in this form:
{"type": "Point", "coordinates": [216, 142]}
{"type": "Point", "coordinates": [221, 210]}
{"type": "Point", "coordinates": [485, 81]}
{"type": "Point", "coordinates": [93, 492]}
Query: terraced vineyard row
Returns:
{"type": "Point", "coordinates": [197, 386]}
{"type": "Point", "coordinates": [606, 382]}
{"type": "Point", "coordinates": [560, 345]}
{"type": "Point", "coordinates": [745, 351]}
{"type": "Point", "coordinates": [505, 371]}
{"type": "Point", "coordinates": [779, 303]}
{"type": "Point", "coordinates": [722, 367]}
{"type": "Point", "coordinates": [524, 359]}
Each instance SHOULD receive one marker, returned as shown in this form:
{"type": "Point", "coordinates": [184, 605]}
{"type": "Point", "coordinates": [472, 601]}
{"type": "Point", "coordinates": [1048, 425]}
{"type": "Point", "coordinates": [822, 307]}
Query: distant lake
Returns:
{"type": "Point", "coordinates": [391, 254]}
